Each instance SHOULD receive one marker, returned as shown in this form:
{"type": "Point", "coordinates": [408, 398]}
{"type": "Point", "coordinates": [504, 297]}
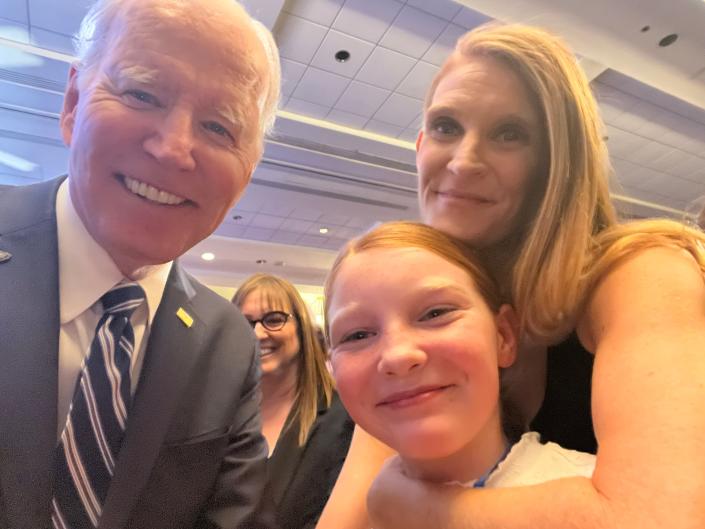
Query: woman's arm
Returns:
{"type": "Point", "coordinates": [646, 324]}
{"type": "Point", "coordinates": [345, 508]}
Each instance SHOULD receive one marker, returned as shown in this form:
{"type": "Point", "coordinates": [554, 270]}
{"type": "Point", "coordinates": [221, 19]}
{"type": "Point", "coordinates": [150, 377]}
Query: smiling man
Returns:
{"type": "Point", "coordinates": [130, 391]}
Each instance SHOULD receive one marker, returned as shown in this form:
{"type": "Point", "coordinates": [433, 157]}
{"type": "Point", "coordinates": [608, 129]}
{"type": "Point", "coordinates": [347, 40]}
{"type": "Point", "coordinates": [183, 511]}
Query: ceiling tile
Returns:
{"type": "Point", "coordinates": [333, 220]}
{"type": "Point", "coordinates": [291, 74]}
{"type": "Point", "coordinates": [399, 110]}
{"type": "Point", "coordinates": [285, 237]}
{"type": "Point", "coordinates": [367, 19]}
{"type": "Point", "coordinates": [409, 134]}
{"type": "Point", "coordinates": [385, 129]}
{"type": "Point", "coordinates": [362, 99]}
{"type": "Point", "coordinates": [306, 214]}
{"type": "Point", "coordinates": [441, 8]}
{"type": "Point", "coordinates": [649, 153]}
{"type": "Point", "coordinates": [266, 221]}
{"type": "Point", "coordinates": [15, 10]}
{"type": "Point", "coordinates": [43, 14]}
{"type": "Point", "coordinates": [413, 32]}
{"type": "Point", "coordinates": [230, 230]}
{"type": "Point", "coordinates": [319, 11]}
{"type": "Point", "coordinates": [299, 106]}
{"type": "Point", "coordinates": [335, 41]}
{"type": "Point", "coordinates": [13, 30]}
{"type": "Point", "coordinates": [313, 240]}
{"type": "Point", "coordinates": [298, 226]}
{"type": "Point", "coordinates": [468, 18]}
{"type": "Point", "coordinates": [258, 234]}
{"type": "Point", "coordinates": [621, 142]}
{"type": "Point", "coordinates": [687, 166]}
{"type": "Point", "coordinates": [346, 118]}
{"type": "Point", "coordinates": [419, 79]}
{"type": "Point", "coordinates": [335, 243]}
{"type": "Point", "coordinates": [444, 44]}
{"type": "Point", "coordinates": [298, 38]}
{"type": "Point", "coordinates": [385, 68]}
{"type": "Point", "coordinates": [321, 87]}
{"type": "Point", "coordinates": [356, 222]}
{"type": "Point", "coordinates": [277, 208]}
{"type": "Point", "coordinates": [52, 41]}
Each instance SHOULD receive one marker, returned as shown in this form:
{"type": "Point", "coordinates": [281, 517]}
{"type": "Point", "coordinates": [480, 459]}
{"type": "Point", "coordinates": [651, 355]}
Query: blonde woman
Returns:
{"type": "Point", "coordinates": [511, 161]}
{"type": "Point", "coordinates": [306, 427]}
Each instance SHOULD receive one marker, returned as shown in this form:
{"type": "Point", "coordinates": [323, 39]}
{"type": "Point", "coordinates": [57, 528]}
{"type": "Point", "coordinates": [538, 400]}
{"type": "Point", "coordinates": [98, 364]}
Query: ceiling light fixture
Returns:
{"type": "Point", "coordinates": [208, 256]}
{"type": "Point", "coordinates": [668, 40]}
{"type": "Point", "coordinates": [323, 230]}
{"type": "Point", "coordinates": [17, 163]}
{"type": "Point", "coordinates": [342, 56]}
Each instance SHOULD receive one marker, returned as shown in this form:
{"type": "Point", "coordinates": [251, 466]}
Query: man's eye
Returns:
{"type": "Point", "coordinates": [142, 97]}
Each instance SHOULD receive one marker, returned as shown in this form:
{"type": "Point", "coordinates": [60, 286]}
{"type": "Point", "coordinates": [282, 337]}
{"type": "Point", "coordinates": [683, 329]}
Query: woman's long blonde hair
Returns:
{"type": "Point", "coordinates": [547, 275]}
{"type": "Point", "coordinates": [314, 383]}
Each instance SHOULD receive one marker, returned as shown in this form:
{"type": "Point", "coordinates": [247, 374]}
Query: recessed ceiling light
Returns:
{"type": "Point", "coordinates": [261, 261]}
{"type": "Point", "coordinates": [208, 256]}
{"type": "Point", "coordinates": [342, 56]}
{"type": "Point", "coordinates": [668, 40]}
{"type": "Point", "coordinates": [323, 230]}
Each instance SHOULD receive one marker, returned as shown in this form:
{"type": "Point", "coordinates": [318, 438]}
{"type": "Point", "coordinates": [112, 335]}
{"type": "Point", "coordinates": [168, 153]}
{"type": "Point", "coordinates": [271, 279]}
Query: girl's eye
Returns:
{"type": "Point", "coordinates": [445, 127]}
{"type": "Point", "coordinates": [355, 336]}
{"type": "Point", "coordinates": [435, 312]}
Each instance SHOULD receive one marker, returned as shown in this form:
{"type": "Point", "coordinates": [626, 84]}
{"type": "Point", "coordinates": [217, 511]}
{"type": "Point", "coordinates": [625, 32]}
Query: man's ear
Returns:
{"type": "Point", "coordinates": [68, 110]}
{"type": "Point", "coordinates": [418, 140]}
{"type": "Point", "coordinates": [507, 333]}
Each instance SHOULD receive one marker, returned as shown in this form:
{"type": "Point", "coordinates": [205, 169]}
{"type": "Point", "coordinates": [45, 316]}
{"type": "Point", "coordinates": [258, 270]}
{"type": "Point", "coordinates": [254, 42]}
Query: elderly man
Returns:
{"type": "Point", "coordinates": [130, 391]}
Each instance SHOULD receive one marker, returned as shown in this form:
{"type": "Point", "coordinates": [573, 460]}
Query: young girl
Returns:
{"type": "Point", "coordinates": [418, 336]}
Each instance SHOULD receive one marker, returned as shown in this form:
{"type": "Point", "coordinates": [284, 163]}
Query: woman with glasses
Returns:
{"type": "Point", "coordinates": [306, 427]}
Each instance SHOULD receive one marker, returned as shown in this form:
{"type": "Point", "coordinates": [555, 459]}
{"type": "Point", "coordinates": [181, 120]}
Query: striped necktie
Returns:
{"type": "Point", "coordinates": [95, 427]}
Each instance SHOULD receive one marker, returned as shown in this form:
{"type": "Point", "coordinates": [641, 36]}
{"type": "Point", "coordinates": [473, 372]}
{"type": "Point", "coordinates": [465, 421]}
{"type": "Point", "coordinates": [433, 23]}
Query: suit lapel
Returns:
{"type": "Point", "coordinates": [169, 359]}
{"type": "Point", "coordinates": [29, 341]}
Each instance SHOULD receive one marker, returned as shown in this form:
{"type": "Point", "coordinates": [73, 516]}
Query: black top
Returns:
{"type": "Point", "coordinates": [302, 477]}
{"type": "Point", "coordinates": [565, 417]}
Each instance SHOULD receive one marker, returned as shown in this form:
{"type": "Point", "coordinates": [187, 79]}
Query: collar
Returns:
{"type": "Point", "coordinates": [86, 271]}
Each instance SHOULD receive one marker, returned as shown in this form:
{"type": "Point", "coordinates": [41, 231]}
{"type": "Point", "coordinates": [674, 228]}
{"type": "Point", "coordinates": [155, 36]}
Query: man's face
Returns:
{"type": "Point", "coordinates": [164, 135]}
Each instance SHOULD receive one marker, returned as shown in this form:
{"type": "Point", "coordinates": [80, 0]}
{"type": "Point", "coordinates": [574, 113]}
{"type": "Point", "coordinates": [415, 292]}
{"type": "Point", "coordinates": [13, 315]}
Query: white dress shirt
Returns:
{"type": "Point", "coordinates": [86, 272]}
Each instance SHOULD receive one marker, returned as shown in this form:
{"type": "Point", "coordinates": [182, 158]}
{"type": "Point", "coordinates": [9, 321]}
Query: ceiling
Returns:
{"type": "Point", "coordinates": [342, 155]}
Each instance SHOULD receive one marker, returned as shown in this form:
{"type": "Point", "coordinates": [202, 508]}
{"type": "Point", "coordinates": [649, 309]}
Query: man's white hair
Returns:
{"type": "Point", "coordinates": [91, 38]}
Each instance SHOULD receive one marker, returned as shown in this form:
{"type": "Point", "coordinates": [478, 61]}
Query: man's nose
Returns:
{"type": "Point", "coordinates": [400, 354]}
{"type": "Point", "coordinates": [172, 142]}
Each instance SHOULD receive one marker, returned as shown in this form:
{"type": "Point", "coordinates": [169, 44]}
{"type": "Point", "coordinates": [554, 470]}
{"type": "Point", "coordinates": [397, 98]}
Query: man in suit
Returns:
{"type": "Point", "coordinates": [164, 116]}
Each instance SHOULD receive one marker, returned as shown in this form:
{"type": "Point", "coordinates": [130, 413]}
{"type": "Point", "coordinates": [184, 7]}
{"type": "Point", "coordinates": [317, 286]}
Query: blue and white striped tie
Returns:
{"type": "Point", "coordinates": [95, 427]}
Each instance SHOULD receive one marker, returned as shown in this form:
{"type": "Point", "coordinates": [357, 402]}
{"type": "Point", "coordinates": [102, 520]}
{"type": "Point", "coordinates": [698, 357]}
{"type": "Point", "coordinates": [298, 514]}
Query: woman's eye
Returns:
{"type": "Point", "coordinates": [217, 128]}
{"type": "Point", "coordinates": [510, 134]}
{"type": "Point", "coordinates": [445, 127]}
{"type": "Point", "coordinates": [435, 312]}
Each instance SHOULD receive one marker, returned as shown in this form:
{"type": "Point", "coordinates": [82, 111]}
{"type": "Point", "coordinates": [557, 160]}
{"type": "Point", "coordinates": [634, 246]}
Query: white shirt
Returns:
{"type": "Point", "coordinates": [86, 272]}
{"type": "Point", "coordinates": [530, 462]}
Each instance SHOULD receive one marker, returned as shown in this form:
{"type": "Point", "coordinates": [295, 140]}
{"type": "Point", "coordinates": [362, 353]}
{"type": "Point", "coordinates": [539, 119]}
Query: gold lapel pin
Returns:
{"type": "Point", "coordinates": [185, 317]}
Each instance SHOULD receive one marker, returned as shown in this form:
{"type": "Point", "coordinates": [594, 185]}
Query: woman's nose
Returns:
{"type": "Point", "coordinates": [467, 158]}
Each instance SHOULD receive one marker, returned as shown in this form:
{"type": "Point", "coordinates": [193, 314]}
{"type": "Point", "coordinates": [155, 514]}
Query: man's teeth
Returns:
{"type": "Point", "coordinates": [151, 193]}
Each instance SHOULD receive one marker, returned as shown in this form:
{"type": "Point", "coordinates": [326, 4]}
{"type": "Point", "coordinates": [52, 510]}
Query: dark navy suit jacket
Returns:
{"type": "Point", "coordinates": [193, 454]}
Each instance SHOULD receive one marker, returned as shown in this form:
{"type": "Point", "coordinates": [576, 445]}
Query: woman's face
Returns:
{"type": "Point", "coordinates": [279, 349]}
{"type": "Point", "coordinates": [415, 352]}
{"type": "Point", "coordinates": [479, 152]}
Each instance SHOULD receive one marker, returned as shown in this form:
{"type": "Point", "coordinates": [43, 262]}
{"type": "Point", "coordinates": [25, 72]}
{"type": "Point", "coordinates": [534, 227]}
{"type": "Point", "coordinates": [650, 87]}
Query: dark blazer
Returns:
{"type": "Point", "coordinates": [300, 478]}
{"type": "Point", "coordinates": [193, 454]}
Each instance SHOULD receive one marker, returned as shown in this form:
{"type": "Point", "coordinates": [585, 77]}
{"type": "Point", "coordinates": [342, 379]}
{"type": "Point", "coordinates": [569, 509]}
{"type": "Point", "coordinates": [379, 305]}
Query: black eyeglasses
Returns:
{"type": "Point", "coordinates": [272, 321]}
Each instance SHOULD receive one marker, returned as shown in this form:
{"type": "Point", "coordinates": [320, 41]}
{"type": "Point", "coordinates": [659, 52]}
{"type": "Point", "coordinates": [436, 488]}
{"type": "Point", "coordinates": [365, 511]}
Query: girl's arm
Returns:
{"type": "Point", "coordinates": [345, 508]}
{"type": "Point", "coordinates": [645, 323]}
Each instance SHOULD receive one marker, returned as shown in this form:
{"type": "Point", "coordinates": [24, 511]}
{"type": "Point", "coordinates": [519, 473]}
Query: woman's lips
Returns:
{"type": "Point", "coordinates": [412, 397]}
{"type": "Point", "coordinates": [469, 197]}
